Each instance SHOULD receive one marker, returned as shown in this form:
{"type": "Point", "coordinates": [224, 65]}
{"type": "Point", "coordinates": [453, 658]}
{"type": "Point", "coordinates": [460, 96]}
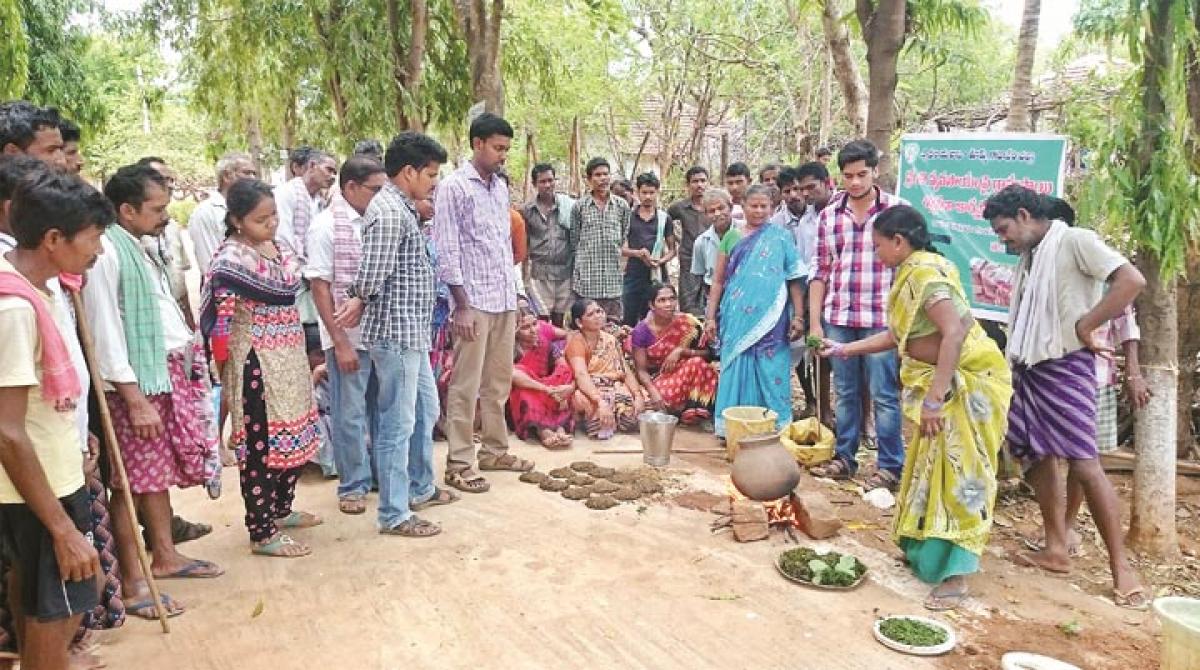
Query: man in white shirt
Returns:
{"type": "Point", "coordinates": [146, 356]}
{"type": "Point", "coordinates": [297, 201]}
{"type": "Point", "coordinates": [716, 205]}
{"type": "Point", "coordinates": [334, 251]}
{"type": "Point", "coordinates": [805, 193]}
{"type": "Point", "coordinates": [207, 224]}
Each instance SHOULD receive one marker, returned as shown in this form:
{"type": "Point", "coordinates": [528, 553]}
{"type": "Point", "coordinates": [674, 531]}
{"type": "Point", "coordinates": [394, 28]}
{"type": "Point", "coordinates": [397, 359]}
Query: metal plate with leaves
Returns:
{"type": "Point", "coordinates": [827, 587]}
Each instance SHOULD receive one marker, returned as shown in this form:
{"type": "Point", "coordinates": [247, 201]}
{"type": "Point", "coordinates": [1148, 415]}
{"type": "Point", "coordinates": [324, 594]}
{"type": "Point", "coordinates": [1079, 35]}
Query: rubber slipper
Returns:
{"type": "Point", "coordinates": [183, 530]}
{"type": "Point", "coordinates": [946, 601]}
{"type": "Point", "coordinates": [197, 569]}
{"type": "Point", "coordinates": [144, 609]}
{"type": "Point", "coordinates": [1131, 600]}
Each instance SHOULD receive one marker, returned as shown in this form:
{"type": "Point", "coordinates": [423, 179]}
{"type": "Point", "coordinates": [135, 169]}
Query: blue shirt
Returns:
{"type": "Point", "coordinates": [704, 255]}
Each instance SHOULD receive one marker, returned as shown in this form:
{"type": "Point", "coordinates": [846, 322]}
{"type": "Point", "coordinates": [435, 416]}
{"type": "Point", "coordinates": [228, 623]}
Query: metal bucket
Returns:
{"type": "Point", "coordinates": [658, 432]}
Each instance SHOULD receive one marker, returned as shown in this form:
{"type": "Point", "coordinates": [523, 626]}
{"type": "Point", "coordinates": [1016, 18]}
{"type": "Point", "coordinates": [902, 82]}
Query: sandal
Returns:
{"type": "Point", "coordinates": [183, 530]}
{"type": "Point", "coordinates": [506, 462]}
{"type": "Point", "coordinates": [440, 497]}
{"type": "Point", "coordinates": [196, 569]}
{"type": "Point", "coordinates": [144, 609]}
{"type": "Point", "coordinates": [414, 526]}
{"type": "Point", "coordinates": [1134, 599]}
{"type": "Point", "coordinates": [881, 479]}
{"type": "Point", "coordinates": [355, 503]}
{"type": "Point", "coordinates": [837, 470]}
{"type": "Point", "coordinates": [945, 602]}
{"type": "Point", "coordinates": [691, 417]}
{"type": "Point", "coordinates": [299, 520]}
{"type": "Point", "coordinates": [467, 484]}
{"type": "Point", "coordinates": [281, 546]}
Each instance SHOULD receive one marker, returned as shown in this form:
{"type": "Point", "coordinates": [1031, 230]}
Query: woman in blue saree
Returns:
{"type": "Point", "coordinates": [754, 309]}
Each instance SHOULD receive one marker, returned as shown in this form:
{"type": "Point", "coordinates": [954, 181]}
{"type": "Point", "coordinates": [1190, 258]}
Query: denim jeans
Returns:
{"type": "Point", "coordinates": [354, 413]}
{"type": "Point", "coordinates": [408, 409]}
{"type": "Point", "coordinates": [881, 373]}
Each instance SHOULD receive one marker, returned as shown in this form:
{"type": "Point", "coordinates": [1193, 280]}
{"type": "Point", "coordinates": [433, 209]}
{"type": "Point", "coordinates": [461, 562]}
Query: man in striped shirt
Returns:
{"type": "Point", "coordinates": [847, 300]}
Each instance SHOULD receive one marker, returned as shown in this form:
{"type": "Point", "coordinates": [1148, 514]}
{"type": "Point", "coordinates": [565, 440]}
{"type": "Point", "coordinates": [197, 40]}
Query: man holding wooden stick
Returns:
{"type": "Point", "coordinates": [45, 518]}
{"type": "Point", "coordinates": [149, 362]}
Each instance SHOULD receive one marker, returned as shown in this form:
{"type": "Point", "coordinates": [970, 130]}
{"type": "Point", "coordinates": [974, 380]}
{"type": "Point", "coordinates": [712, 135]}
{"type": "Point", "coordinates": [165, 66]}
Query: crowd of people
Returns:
{"type": "Point", "coordinates": [353, 312]}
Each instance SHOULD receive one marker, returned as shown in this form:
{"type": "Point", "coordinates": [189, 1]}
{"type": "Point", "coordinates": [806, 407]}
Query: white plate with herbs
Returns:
{"type": "Point", "coordinates": [915, 635]}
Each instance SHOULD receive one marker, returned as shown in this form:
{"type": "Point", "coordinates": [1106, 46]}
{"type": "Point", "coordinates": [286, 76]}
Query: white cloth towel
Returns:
{"type": "Point", "coordinates": [1035, 334]}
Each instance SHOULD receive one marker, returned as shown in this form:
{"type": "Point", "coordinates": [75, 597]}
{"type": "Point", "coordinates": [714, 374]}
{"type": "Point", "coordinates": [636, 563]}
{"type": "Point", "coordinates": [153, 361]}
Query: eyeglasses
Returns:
{"type": "Point", "coordinates": [373, 189]}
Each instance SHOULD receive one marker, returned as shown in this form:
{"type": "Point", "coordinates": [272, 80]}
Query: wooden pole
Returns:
{"type": "Point", "coordinates": [530, 161]}
{"type": "Point", "coordinates": [89, 354]}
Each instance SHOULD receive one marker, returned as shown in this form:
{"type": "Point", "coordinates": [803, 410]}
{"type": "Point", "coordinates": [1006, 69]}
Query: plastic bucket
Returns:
{"type": "Point", "coordinates": [741, 422]}
{"type": "Point", "coordinates": [1180, 619]}
{"type": "Point", "coordinates": [657, 430]}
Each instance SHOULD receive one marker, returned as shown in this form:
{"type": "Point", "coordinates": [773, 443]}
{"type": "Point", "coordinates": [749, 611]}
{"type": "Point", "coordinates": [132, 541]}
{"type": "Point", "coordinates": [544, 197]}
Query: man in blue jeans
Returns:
{"type": "Point", "coordinates": [334, 250]}
{"type": "Point", "coordinates": [394, 294]}
{"type": "Point", "coordinates": [847, 301]}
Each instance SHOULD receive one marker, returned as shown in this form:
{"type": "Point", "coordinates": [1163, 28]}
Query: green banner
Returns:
{"type": "Point", "coordinates": [949, 176]}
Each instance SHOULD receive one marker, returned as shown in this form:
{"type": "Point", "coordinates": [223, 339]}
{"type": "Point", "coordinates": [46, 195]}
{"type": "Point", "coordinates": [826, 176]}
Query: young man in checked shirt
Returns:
{"type": "Point", "coordinates": [393, 294]}
{"type": "Point", "coordinates": [847, 300]}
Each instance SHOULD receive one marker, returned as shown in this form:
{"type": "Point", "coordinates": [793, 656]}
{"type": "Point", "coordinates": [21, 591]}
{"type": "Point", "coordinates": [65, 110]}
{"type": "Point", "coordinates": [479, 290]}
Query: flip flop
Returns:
{"type": "Point", "coordinates": [144, 609]}
{"type": "Point", "coordinates": [197, 569]}
{"type": "Point", "coordinates": [1134, 599]}
{"type": "Point", "coordinates": [946, 601]}
{"type": "Point", "coordinates": [1073, 550]}
{"type": "Point", "coordinates": [440, 497]}
{"type": "Point", "coordinates": [183, 530]}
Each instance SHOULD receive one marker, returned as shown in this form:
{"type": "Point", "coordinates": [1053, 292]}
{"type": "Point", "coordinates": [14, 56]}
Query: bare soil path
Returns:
{"type": "Point", "coordinates": [522, 578]}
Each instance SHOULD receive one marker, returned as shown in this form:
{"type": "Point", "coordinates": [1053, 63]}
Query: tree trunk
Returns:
{"type": "Point", "coordinates": [883, 29]}
{"type": "Point", "coordinates": [1189, 347]}
{"type": "Point", "coordinates": [408, 63]}
{"type": "Point", "coordinates": [1152, 523]}
{"type": "Point", "coordinates": [845, 68]}
{"type": "Point", "coordinates": [324, 24]}
{"type": "Point", "coordinates": [1022, 88]}
{"type": "Point", "coordinates": [255, 141]}
{"type": "Point", "coordinates": [826, 100]}
{"type": "Point", "coordinates": [481, 30]}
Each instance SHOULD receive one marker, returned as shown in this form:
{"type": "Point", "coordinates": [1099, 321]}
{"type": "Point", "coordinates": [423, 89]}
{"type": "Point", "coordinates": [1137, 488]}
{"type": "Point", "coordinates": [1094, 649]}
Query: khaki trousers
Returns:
{"type": "Point", "coordinates": [482, 371]}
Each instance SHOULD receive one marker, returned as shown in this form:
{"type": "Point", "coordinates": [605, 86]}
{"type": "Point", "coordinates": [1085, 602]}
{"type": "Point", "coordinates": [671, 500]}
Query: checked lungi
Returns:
{"type": "Point", "coordinates": [1053, 410]}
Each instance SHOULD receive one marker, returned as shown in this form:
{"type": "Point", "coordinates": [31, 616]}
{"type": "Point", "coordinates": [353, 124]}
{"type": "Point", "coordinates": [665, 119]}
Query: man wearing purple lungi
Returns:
{"type": "Point", "coordinates": [1058, 303]}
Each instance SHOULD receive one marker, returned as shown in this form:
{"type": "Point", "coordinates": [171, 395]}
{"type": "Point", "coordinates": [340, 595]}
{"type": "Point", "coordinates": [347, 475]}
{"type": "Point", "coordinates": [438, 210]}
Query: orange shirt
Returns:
{"type": "Point", "coordinates": [520, 244]}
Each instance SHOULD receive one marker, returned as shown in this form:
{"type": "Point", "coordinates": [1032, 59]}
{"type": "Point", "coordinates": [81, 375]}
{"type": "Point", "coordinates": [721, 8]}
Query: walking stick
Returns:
{"type": "Point", "coordinates": [89, 354]}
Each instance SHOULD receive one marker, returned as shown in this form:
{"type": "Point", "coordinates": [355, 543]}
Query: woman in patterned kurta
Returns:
{"type": "Point", "coordinates": [250, 317]}
{"type": "Point", "coordinates": [955, 414]}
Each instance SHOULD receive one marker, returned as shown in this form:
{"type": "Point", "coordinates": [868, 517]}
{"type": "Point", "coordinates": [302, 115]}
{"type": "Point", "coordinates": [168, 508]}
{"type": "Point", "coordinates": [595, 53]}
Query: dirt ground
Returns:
{"type": "Point", "coordinates": [522, 578]}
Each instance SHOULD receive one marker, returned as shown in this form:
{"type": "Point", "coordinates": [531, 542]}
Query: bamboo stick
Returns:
{"type": "Point", "coordinates": [89, 353]}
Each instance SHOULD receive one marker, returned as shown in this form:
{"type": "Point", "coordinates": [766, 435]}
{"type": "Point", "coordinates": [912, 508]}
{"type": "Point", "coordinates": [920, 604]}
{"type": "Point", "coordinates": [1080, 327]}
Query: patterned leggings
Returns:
{"type": "Point", "coordinates": [268, 493]}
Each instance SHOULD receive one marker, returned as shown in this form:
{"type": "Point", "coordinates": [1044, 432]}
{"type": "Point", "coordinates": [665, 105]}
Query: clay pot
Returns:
{"type": "Point", "coordinates": [764, 469]}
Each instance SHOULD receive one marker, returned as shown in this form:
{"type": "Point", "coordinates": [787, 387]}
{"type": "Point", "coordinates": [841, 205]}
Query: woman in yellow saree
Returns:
{"type": "Point", "coordinates": [956, 390]}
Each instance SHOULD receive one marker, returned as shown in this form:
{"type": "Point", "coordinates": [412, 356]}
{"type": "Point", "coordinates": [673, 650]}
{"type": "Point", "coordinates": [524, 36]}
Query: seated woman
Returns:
{"type": "Point", "coordinates": [608, 396]}
{"type": "Point", "coordinates": [956, 392]}
{"type": "Point", "coordinates": [542, 385]}
{"type": "Point", "coordinates": [676, 372]}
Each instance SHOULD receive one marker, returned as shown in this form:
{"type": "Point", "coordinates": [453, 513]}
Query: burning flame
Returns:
{"type": "Point", "coordinates": [780, 512]}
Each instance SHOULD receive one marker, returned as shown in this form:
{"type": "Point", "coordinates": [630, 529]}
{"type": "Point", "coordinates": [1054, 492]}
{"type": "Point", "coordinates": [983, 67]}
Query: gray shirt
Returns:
{"type": "Point", "coordinates": [549, 239]}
